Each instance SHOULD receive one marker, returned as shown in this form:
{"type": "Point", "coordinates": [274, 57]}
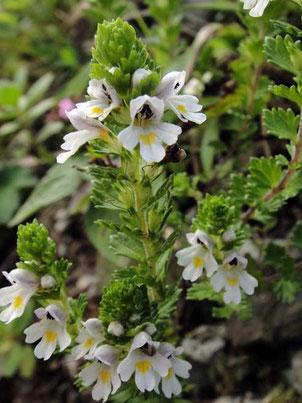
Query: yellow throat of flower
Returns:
{"type": "Point", "coordinates": [143, 366]}
{"type": "Point", "coordinates": [50, 336]}
{"type": "Point", "coordinates": [148, 139]}
{"type": "Point", "coordinates": [17, 302]}
{"type": "Point", "coordinates": [104, 376]}
{"type": "Point", "coordinates": [198, 262]}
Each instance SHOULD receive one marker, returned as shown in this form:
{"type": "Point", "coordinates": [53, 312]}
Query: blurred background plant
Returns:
{"type": "Point", "coordinates": [45, 49]}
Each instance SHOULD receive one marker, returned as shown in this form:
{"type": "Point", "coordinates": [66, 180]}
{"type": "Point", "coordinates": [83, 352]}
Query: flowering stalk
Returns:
{"type": "Point", "coordinates": [130, 140]}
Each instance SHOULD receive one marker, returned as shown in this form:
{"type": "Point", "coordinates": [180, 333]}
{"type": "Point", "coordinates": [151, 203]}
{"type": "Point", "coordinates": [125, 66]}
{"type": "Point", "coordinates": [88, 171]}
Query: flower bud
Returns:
{"type": "Point", "coordinates": [150, 329]}
{"type": "Point", "coordinates": [229, 235]}
{"type": "Point", "coordinates": [48, 281]}
{"type": "Point", "coordinates": [138, 76]}
{"type": "Point", "coordinates": [116, 329]}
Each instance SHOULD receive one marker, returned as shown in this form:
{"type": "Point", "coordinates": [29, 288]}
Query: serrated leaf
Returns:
{"type": "Point", "coordinates": [281, 123]}
{"type": "Point", "coordinates": [287, 290]}
{"type": "Point", "coordinates": [288, 28]}
{"type": "Point", "coordinates": [277, 257]}
{"type": "Point", "coordinates": [202, 291]}
{"type": "Point", "coordinates": [265, 174]}
{"type": "Point", "coordinates": [129, 246]}
{"type": "Point", "coordinates": [277, 53]}
{"type": "Point", "coordinates": [290, 93]}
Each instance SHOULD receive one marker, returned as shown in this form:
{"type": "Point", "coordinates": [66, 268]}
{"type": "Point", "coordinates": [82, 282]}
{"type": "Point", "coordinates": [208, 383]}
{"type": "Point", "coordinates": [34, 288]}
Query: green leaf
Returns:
{"type": "Point", "coordinates": [288, 28]}
{"type": "Point", "coordinates": [287, 290]}
{"type": "Point", "coordinates": [244, 310]}
{"type": "Point", "coordinates": [277, 257]}
{"type": "Point", "coordinates": [202, 291]}
{"type": "Point", "coordinates": [277, 53]}
{"type": "Point", "coordinates": [167, 306]}
{"type": "Point", "coordinates": [281, 123]}
{"type": "Point", "coordinates": [296, 236]}
{"type": "Point", "coordinates": [38, 89]}
{"type": "Point", "coordinates": [60, 181]}
{"type": "Point", "coordinates": [265, 174]}
{"type": "Point", "coordinates": [77, 307]}
{"type": "Point", "coordinates": [129, 246]}
{"type": "Point", "coordinates": [13, 178]}
{"type": "Point", "coordinates": [289, 93]}
{"type": "Point", "coordinates": [9, 94]}
{"type": "Point", "coordinates": [162, 264]}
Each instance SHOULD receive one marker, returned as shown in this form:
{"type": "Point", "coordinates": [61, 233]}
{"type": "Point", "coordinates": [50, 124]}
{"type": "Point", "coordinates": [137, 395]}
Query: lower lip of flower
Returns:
{"type": "Point", "coordinates": [143, 366]}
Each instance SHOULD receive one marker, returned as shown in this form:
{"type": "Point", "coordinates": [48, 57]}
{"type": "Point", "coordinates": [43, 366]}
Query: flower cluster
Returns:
{"type": "Point", "coordinates": [146, 113]}
{"type": "Point", "coordinates": [231, 275]}
{"type": "Point", "coordinates": [152, 362]}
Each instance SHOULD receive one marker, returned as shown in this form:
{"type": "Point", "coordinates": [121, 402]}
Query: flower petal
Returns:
{"type": "Point", "coordinates": [126, 367]}
{"type": "Point", "coordinates": [170, 84]}
{"type": "Point", "coordinates": [160, 364]}
{"type": "Point", "coordinates": [218, 281]}
{"type": "Point", "coordinates": [129, 137]}
{"type": "Point", "coordinates": [152, 153]}
{"type": "Point", "coordinates": [90, 374]}
{"type": "Point", "coordinates": [181, 367]}
{"type": "Point", "coordinates": [168, 133]}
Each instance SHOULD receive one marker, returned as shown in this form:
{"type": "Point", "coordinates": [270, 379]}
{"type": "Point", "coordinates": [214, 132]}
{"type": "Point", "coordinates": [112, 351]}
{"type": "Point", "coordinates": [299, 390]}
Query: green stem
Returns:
{"type": "Point", "coordinates": [138, 205]}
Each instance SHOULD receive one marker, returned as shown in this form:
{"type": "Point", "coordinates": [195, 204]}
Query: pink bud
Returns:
{"type": "Point", "coordinates": [65, 105]}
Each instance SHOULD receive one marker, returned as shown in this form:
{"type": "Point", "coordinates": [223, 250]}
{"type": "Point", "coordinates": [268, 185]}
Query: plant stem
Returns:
{"type": "Point", "coordinates": [138, 205]}
{"type": "Point", "coordinates": [289, 172]}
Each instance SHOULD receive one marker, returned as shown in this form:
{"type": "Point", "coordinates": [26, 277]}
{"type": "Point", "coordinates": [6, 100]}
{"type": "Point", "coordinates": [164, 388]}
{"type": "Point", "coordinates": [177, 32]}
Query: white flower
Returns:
{"type": "Point", "coordinates": [147, 129]}
{"type": "Point", "coordinates": [145, 361]}
{"type": "Point", "coordinates": [103, 372]}
{"type": "Point", "coordinates": [170, 383]}
{"type": "Point", "coordinates": [51, 329]}
{"type": "Point", "coordinates": [48, 281]}
{"type": "Point", "coordinates": [103, 99]}
{"type": "Point", "coordinates": [88, 339]}
{"type": "Point", "coordinates": [197, 256]}
{"type": "Point", "coordinates": [116, 329]}
{"type": "Point", "coordinates": [232, 276]}
{"type": "Point", "coordinates": [87, 129]}
{"type": "Point", "coordinates": [186, 107]}
{"type": "Point", "coordinates": [256, 7]}
{"type": "Point", "coordinates": [24, 285]}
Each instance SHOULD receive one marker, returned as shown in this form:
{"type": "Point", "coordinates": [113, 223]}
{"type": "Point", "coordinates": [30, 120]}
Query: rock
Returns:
{"type": "Point", "coordinates": [294, 374]}
{"type": "Point", "coordinates": [204, 342]}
